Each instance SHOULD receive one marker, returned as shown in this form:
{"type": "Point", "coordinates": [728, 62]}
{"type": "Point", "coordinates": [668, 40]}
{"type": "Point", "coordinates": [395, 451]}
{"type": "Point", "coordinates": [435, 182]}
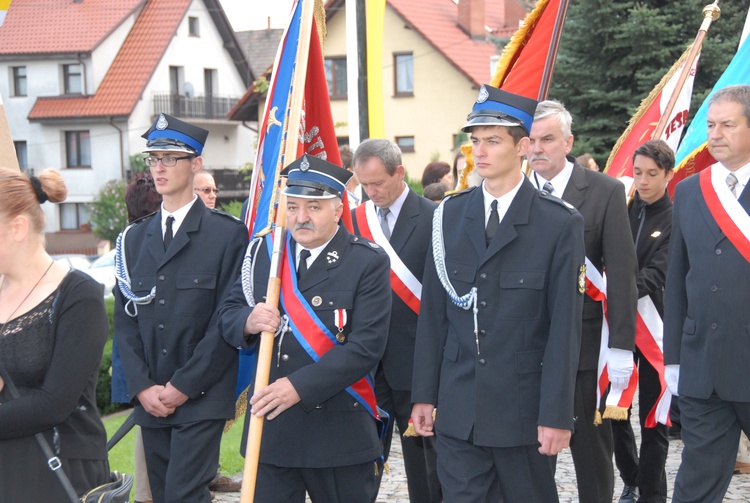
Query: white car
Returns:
{"type": "Point", "coordinates": [73, 261]}
{"type": "Point", "coordinates": [103, 270]}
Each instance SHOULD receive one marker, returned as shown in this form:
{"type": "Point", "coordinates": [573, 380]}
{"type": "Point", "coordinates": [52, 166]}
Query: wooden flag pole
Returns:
{"type": "Point", "coordinates": [265, 351]}
{"type": "Point", "coordinates": [549, 64]}
{"type": "Point", "coordinates": [8, 157]}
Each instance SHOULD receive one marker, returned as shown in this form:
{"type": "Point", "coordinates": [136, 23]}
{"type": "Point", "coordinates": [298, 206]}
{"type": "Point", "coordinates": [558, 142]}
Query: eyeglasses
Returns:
{"type": "Point", "coordinates": [206, 190]}
{"type": "Point", "coordinates": [167, 161]}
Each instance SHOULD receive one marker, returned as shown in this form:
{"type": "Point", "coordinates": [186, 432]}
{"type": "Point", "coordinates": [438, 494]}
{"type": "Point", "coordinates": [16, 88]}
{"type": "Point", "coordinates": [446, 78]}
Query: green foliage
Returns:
{"type": "Point", "coordinates": [138, 163]}
{"type": "Point", "coordinates": [613, 53]}
{"type": "Point", "coordinates": [233, 208]}
{"type": "Point", "coordinates": [415, 184]}
{"type": "Point", "coordinates": [104, 384]}
{"type": "Point", "coordinates": [109, 215]}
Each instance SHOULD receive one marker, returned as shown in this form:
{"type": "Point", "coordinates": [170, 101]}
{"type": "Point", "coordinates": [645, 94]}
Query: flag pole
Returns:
{"type": "Point", "coordinates": [710, 13]}
{"type": "Point", "coordinates": [549, 65]}
{"type": "Point", "coordinates": [8, 157]}
{"type": "Point", "coordinates": [265, 351]}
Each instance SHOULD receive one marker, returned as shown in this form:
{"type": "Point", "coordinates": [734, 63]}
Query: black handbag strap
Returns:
{"type": "Point", "coordinates": [53, 462]}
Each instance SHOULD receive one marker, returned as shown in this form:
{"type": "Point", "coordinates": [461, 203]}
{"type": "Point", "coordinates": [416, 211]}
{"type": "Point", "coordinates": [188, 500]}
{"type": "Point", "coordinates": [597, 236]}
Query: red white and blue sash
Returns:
{"type": "Point", "coordinates": [403, 282]}
{"type": "Point", "coordinates": [316, 339]}
{"type": "Point", "coordinates": [732, 218]}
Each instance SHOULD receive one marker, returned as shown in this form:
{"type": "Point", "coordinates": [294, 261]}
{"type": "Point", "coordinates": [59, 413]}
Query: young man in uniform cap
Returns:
{"type": "Point", "coordinates": [499, 330]}
{"type": "Point", "coordinates": [601, 201]}
{"type": "Point", "coordinates": [173, 269]}
{"type": "Point", "coordinates": [320, 434]}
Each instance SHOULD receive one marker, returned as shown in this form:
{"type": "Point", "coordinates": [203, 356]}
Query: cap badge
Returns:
{"type": "Point", "coordinates": [162, 123]}
{"type": "Point", "coordinates": [332, 257]}
{"type": "Point", "coordinates": [483, 95]}
{"type": "Point", "coordinates": [305, 165]}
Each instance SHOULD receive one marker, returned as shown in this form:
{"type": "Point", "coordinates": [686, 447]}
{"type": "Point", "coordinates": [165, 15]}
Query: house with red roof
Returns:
{"type": "Point", "coordinates": [84, 79]}
{"type": "Point", "coordinates": [436, 55]}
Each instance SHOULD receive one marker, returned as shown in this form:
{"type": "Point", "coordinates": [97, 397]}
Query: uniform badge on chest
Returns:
{"type": "Point", "coordinates": [340, 322]}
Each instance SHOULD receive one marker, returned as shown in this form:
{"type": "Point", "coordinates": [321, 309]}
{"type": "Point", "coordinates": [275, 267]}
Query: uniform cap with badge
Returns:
{"type": "Point", "coordinates": [310, 177]}
{"type": "Point", "coordinates": [495, 107]}
{"type": "Point", "coordinates": [173, 135]}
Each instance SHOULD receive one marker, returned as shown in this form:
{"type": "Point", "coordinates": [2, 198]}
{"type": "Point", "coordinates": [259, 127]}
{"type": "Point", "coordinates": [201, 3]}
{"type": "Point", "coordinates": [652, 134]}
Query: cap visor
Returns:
{"type": "Point", "coordinates": [488, 121]}
{"type": "Point", "coordinates": [308, 192]}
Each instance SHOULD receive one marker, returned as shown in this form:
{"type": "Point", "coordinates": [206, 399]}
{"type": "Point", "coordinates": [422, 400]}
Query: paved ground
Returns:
{"type": "Point", "coordinates": [393, 487]}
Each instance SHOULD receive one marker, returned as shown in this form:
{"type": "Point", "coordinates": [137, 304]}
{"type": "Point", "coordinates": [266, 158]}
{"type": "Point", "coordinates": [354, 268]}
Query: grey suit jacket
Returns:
{"type": "Point", "coordinates": [706, 315]}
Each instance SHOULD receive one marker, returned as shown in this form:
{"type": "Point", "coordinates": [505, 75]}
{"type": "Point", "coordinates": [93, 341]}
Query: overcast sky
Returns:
{"type": "Point", "coordinates": [254, 14]}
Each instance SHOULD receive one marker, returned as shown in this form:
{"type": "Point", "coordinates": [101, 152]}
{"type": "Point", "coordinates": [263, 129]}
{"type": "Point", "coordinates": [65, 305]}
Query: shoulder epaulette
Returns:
{"type": "Point", "coordinates": [549, 197]}
{"type": "Point", "coordinates": [142, 219]}
{"type": "Point", "coordinates": [225, 214]}
{"type": "Point", "coordinates": [366, 242]}
{"type": "Point", "coordinates": [454, 193]}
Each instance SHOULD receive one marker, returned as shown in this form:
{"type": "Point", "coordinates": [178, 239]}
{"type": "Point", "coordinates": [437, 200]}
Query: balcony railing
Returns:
{"type": "Point", "coordinates": [195, 107]}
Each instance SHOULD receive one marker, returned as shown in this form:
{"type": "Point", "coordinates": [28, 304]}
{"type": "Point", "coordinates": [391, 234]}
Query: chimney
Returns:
{"type": "Point", "coordinates": [471, 18]}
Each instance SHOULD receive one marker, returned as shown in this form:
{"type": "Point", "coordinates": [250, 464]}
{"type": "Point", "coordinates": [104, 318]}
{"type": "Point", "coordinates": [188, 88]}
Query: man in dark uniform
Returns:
{"type": "Point", "coordinates": [645, 479]}
{"type": "Point", "coordinates": [601, 201]}
{"type": "Point", "coordinates": [500, 326]}
{"type": "Point", "coordinates": [706, 303]}
{"type": "Point", "coordinates": [320, 434]}
{"type": "Point", "coordinates": [173, 269]}
{"type": "Point", "coordinates": [399, 220]}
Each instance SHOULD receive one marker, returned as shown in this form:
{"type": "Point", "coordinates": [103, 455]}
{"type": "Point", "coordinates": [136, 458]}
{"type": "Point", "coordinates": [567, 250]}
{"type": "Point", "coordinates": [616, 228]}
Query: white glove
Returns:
{"type": "Point", "coordinates": [672, 376]}
{"type": "Point", "coordinates": [620, 368]}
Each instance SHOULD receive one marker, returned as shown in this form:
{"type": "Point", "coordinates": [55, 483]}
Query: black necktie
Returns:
{"type": "Point", "coordinates": [548, 187]}
{"type": "Point", "coordinates": [168, 234]}
{"type": "Point", "coordinates": [493, 223]}
{"type": "Point", "coordinates": [302, 267]}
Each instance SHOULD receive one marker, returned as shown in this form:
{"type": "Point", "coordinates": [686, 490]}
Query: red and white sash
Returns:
{"type": "Point", "coordinates": [617, 402]}
{"type": "Point", "coordinates": [403, 282]}
{"type": "Point", "coordinates": [310, 331]}
{"type": "Point", "coordinates": [732, 218]}
{"type": "Point", "coordinates": [649, 330]}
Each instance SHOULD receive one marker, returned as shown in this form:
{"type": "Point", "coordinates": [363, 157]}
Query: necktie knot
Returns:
{"type": "Point", "coordinates": [168, 234]}
{"type": "Point", "coordinates": [732, 182]}
{"type": "Point", "coordinates": [492, 223]}
{"type": "Point", "coordinates": [548, 187]}
{"type": "Point", "coordinates": [384, 223]}
{"type": "Point", "coordinates": [302, 266]}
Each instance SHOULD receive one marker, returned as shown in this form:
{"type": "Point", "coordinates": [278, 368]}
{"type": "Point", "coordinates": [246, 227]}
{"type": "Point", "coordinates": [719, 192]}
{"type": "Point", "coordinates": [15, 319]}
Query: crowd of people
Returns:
{"type": "Point", "coordinates": [474, 322]}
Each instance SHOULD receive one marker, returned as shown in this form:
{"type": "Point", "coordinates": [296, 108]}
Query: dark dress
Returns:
{"type": "Point", "coordinates": [53, 353]}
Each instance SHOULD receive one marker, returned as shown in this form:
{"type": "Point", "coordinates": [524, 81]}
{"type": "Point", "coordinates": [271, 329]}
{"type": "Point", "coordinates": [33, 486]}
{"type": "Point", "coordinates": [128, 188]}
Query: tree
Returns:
{"type": "Point", "coordinates": [613, 53]}
{"type": "Point", "coordinates": [109, 214]}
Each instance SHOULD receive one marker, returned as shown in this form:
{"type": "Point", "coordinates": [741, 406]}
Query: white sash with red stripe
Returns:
{"type": "Point", "coordinates": [732, 218]}
{"type": "Point", "coordinates": [403, 282]}
{"type": "Point", "coordinates": [618, 401]}
{"type": "Point", "coordinates": [649, 330]}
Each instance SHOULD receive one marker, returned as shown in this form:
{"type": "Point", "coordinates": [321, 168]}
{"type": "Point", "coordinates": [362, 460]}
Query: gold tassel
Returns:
{"type": "Point", "coordinates": [597, 418]}
{"type": "Point", "coordinates": [463, 179]}
{"type": "Point", "coordinates": [240, 408]}
{"type": "Point", "coordinates": [411, 432]}
{"type": "Point", "coordinates": [616, 413]}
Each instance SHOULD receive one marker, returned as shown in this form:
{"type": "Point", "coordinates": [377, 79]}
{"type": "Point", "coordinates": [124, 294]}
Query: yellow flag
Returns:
{"type": "Point", "coordinates": [375, 25]}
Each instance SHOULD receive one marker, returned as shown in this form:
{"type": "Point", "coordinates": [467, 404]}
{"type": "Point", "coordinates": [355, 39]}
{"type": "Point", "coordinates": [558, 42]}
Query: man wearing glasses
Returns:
{"type": "Point", "coordinates": [205, 186]}
{"type": "Point", "coordinates": [174, 268]}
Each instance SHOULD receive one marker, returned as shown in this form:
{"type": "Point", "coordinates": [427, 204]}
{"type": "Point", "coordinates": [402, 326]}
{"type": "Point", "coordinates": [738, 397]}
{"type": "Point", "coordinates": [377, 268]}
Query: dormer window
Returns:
{"type": "Point", "coordinates": [194, 27]}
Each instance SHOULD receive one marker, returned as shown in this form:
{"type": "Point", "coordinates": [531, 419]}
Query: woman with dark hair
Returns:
{"type": "Point", "coordinates": [437, 172]}
{"type": "Point", "coordinates": [53, 327]}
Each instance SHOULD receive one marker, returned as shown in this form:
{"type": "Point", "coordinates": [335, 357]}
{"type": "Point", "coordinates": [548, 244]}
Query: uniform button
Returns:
{"type": "Point", "coordinates": [330, 303]}
{"type": "Point", "coordinates": [162, 278]}
{"type": "Point", "coordinates": [195, 281]}
{"type": "Point", "coordinates": [482, 333]}
{"type": "Point", "coordinates": [162, 302]}
{"type": "Point", "coordinates": [714, 326]}
{"type": "Point", "coordinates": [520, 280]}
{"type": "Point", "coordinates": [455, 272]}
{"type": "Point", "coordinates": [356, 404]}
{"type": "Point", "coordinates": [718, 251]}
{"type": "Point", "coordinates": [482, 362]}
{"type": "Point", "coordinates": [284, 358]}
{"type": "Point", "coordinates": [483, 275]}
{"type": "Point", "coordinates": [140, 283]}
{"type": "Point", "coordinates": [161, 326]}
{"type": "Point", "coordinates": [318, 406]}
{"type": "Point", "coordinates": [714, 288]}
{"type": "Point", "coordinates": [483, 304]}
{"type": "Point", "coordinates": [164, 351]}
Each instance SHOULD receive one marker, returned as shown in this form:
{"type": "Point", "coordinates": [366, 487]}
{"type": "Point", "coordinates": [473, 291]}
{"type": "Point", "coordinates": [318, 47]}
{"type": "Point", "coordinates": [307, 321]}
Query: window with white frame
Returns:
{"type": "Point", "coordinates": [78, 149]}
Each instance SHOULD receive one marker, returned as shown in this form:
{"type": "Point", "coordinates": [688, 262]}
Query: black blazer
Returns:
{"type": "Point", "coordinates": [327, 427]}
{"type": "Point", "coordinates": [175, 337]}
{"type": "Point", "coordinates": [411, 239]}
{"type": "Point", "coordinates": [706, 316]}
{"type": "Point", "coordinates": [529, 321]}
{"type": "Point", "coordinates": [609, 245]}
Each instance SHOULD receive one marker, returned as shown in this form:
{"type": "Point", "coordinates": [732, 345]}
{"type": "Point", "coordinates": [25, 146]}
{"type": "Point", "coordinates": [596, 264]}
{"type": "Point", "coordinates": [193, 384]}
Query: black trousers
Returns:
{"type": "Point", "coordinates": [419, 452]}
{"type": "Point", "coordinates": [647, 472]}
{"type": "Point", "coordinates": [344, 484]}
{"type": "Point", "coordinates": [591, 445]}
{"type": "Point", "coordinates": [182, 460]}
{"type": "Point", "coordinates": [475, 474]}
{"type": "Point", "coordinates": [710, 435]}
